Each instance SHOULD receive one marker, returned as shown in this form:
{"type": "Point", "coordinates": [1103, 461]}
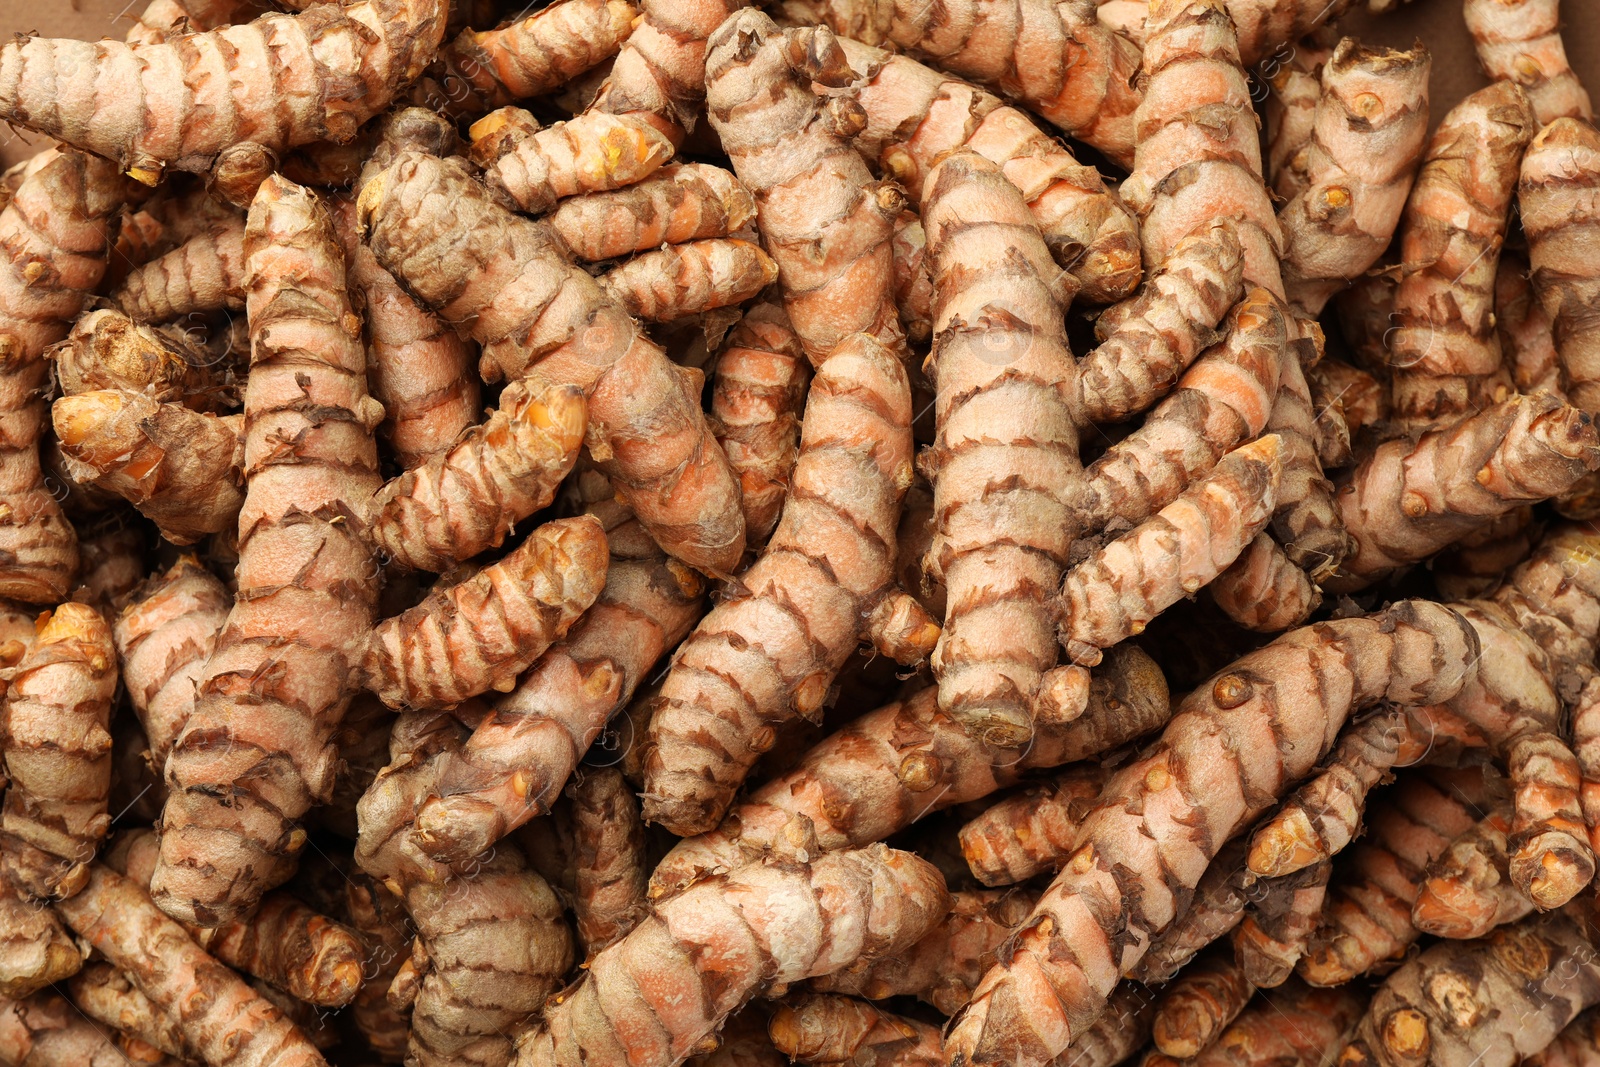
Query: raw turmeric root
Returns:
{"type": "Point", "coordinates": [1359, 164]}
{"type": "Point", "coordinates": [55, 231]}
{"type": "Point", "coordinates": [609, 897]}
{"type": "Point", "coordinates": [45, 1030]}
{"type": "Point", "coordinates": [108, 350]}
{"type": "Point", "coordinates": [466, 639]}
{"type": "Point", "coordinates": [1199, 1004]}
{"type": "Point", "coordinates": [942, 968]}
{"type": "Point", "coordinates": [1034, 831]}
{"type": "Point", "coordinates": [283, 942]}
{"type": "Point", "coordinates": [255, 754]}
{"type": "Point", "coordinates": [164, 638]}
{"type": "Point", "coordinates": [164, 19]}
{"type": "Point", "coordinates": [650, 435]}
{"type": "Point", "coordinates": [481, 70]}
{"type": "Point", "coordinates": [1556, 198]}
{"type": "Point", "coordinates": [180, 468]}
{"type": "Point", "coordinates": [1278, 924]}
{"type": "Point", "coordinates": [1414, 653]}
{"type": "Point", "coordinates": [757, 392]}
{"type": "Point", "coordinates": [1367, 914]}
{"type": "Point", "coordinates": [57, 715]}
{"type": "Point", "coordinates": [842, 908]}
{"type": "Point", "coordinates": [1467, 891]}
{"type": "Point", "coordinates": [204, 273]}
{"type": "Point", "coordinates": [1492, 1001]}
{"type": "Point", "coordinates": [109, 997]}
{"type": "Point", "coordinates": [826, 1030]}
{"type": "Point", "coordinates": [1293, 1024]}
{"type": "Point", "coordinates": [1520, 41]}
{"type": "Point", "coordinates": [220, 76]}
{"type": "Point", "coordinates": [1445, 352]}
{"type": "Point", "coordinates": [1216, 907]}
{"type": "Point", "coordinates": [916, 116]}
{"type": "Point", "coordinates": [35, 949]}
{"type": "Point", "coordinates": [1003, 498]}
{"type": "Point", "coordinates": [691, 278]}
{"type": "Point", "coordinates": [224, 1022]}
{"type": "Point", "coordinates": [516, 762]}
{"type": "Point", "coordinates": [1578, 1044]}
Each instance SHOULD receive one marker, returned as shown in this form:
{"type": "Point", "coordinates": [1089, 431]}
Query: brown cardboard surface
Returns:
{"type": "Point", "coordinates": [1437, 22]}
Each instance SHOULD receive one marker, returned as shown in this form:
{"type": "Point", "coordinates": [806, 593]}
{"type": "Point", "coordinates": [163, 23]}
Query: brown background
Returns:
{"type": "Point", "coordinates": [1437, 22]}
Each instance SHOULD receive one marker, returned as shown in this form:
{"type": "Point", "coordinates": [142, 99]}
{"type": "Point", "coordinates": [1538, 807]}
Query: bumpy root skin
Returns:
{"type": "Point", "coordinates": [273, 692]}
{"type": "Point", "coordinates": [45, 1030]}
{"type": "Point", "coordinates": [1199, 1004]}
{"type": "Point", "coordinates": [1035, 831]}
{"type": "Point", "coordinates": [691, 278]}
{"type": "Point", "coordinates": [1291, 1024]}
{"type": "Point", "coordinates": [35, 949]}
{"type": "Point", "coordinates": [1264, 591]}
{"type": "Point", "coordinates": [1277, 926]}
{"type": "Point", "coordinates": [1468, 890]}
{"type": "Point", "coordinates": [609, 894]}
{"type": "Point", "coordinates": [57, 716]}
{"type": "Point", "coordinates": [1557, 201]}
{"type": "Point", "coordinates": [678, 203]}
{"type": "Point", "coordinates": [529, 169]}
{"type": "Point", "coordinates": [205, 273]}
{"type": "Point", "coordinates": [827, 1030]}
{"type": "Point", "coordinates": [1520, 41]}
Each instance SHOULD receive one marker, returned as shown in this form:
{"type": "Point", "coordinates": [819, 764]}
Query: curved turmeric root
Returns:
{"type": "Point", "coordinates": [827, 1030]}
{"type": "Point", "coordinates": [108, 350]}
{"type": "Point", "coordinates": [609, 894]}
{"type": "Point", "coordinates": [56, 719]}
{"type": "Point", "coordinates": [1520, 41]}
{"type": "Point", "coordinates": [1556, 197]}
{"type": "Point", "coordinates": [222, 79]}
{"type": "Point", "coordinates": [690, 278]}
{"type": "Point", "coordinates": [678, 203]}
{"type": "Point", "coordinates": [1034, 831]}
{"type": "Point", "coordinates": [1278, 924]}
{"type": "Point", "coordinates": [204, 273]}
{"type": "Point", "coordinates": [35, 949]}
{"type": "Point", "coordinates": [55, 234]}
{"type": "Point", "coordinates": [108, 996]}
{"type": "Point", "coordinates": [45, 1030]}
{"type": "Point", "coordinates": [1467, 891]}
{"type": "Point", "coordinates": [273, 692]}
{"type": "Point", "coordinates": [872, 902]}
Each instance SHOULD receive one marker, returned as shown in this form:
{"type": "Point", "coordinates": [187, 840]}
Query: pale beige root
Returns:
{"type": "Point", "coordinates": [182, 103]}
{"type": "Point", "coordinates": [823, 1029]}
{"type": "Point", "coordinates": [1004, 466]}
{"type": "Point", "coordinates": [55, 722]}
{"type": "Point", "coordinates": [1215, 908]}
{"type": "Point", "coordinates": [1263, 590]}
{"type": "Point", "coordinates": [224, 1022]}
{"type": "Point", "coordinates": [108, 350]}
{"type": "Point", "coordinates": [55, 233]}
{"type": "Point", "coordinates": [1324, 814]}
{"type": "Point", "coordinates": [256, 752]}
{"type": "Point", "coordinates": [770, 654]}
{"type": "Point", "coordinates": [942, 968]}
{"type": "Point", "coordinates": [892, 766]}
{"type": "Point", "coordinates": [534, 313]}
{"type": "Point", "coordinates": [758, 390]}
{"type": "Point", "coordinates": [1290, 1025]}
{"type": "Point", "coordinates": [1199, 154]}
{"type": "Point", "coordinates": [915, 116]}
{"type": "Point", "coordinates": [479, 634]}
{"type": "Point", "coordinates": [1034, 831]}
{"type": "Point", "coordinates": [1116, 592]}
{"type": "Point", "coordinates": [1360, 163]}
{"type": "Point", "coordinates": [913, 283]}
{"type": "Point", "coordinates": [612, 869]}
{"type": "Point", "coordinates": [1520, 41]}
{"type": "Point", "coordinates": [165, 19]}
{"type": "Point", "coordinates": [678, 203]}
{"type": "Point", "coordinates": [690, 278]}
{"type": "Point", "coordinates": [110, 998]}
{"type": "Point", "coordinates": [1148, 341]}
{"type": "Point", "coordinates": [467, 499]}
{"type": "Point", "coordinates": [1120, 1031]}
{"type": "Point", "coordinates": [1576, 1046]}
{"type": "Point", "coordinates": [1585, 737]}
{"type": "Point", "coordinates": [659, 74]}
{"type": "Point", "coordinates": [1527, 338]}
{"type": "Point", "coordinates": [482, 69]}
{"type": "Point", "coordinates": [1367, 915]}
{"type": "Point", "coordinates": [1467, 891]}
{"type": "Point", "coordinates": [179, 467]}
{"type": "Point", "coordinates": [517, 760]}
{"type": "Point", "coordinates": [1290, 111]}
{"type": "Point", "coordinates": [1491, 1002]}
{"type": "Point", "coordinates": [529, 169]}
{"type": "Point", "coordinates": [1278, 924]}
{"type": "Point", "coordinates": [419, 368]}
{"type": "Point", "coordinates": [1222, 400]}
{"type": "Point", "coordinates": [1231, 747]}
{"type": "Point", "coordinates": [35, 949]}
{"type": "Point", "coordinates": [1445, 351]}
{"type": "Point", "coordinates": [1557, 201]}
{"type": "Point", "coordinates": [163, 639]}
{"type": "Point", "coordinates": [1056, 60]}
{"type": "Point", "coordinates": [204, 273]}
{"type": "Point", "coordinates": [1199, 1004]}
{"type": "Point", "coordinates": [112, 556]}
{"type": "Point", "coordinates": [492, 942]}
{"type": "Point", "coordinates": [46, 1030]}
{"type": "Point", "coordinates": [283, 942]}
{"type": "Point", "coordinates": [1362, 399]}
{"type": "Point", "coordinates": [767, 924]}
{"type": "Point", "coordinates": [1408, 499]}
